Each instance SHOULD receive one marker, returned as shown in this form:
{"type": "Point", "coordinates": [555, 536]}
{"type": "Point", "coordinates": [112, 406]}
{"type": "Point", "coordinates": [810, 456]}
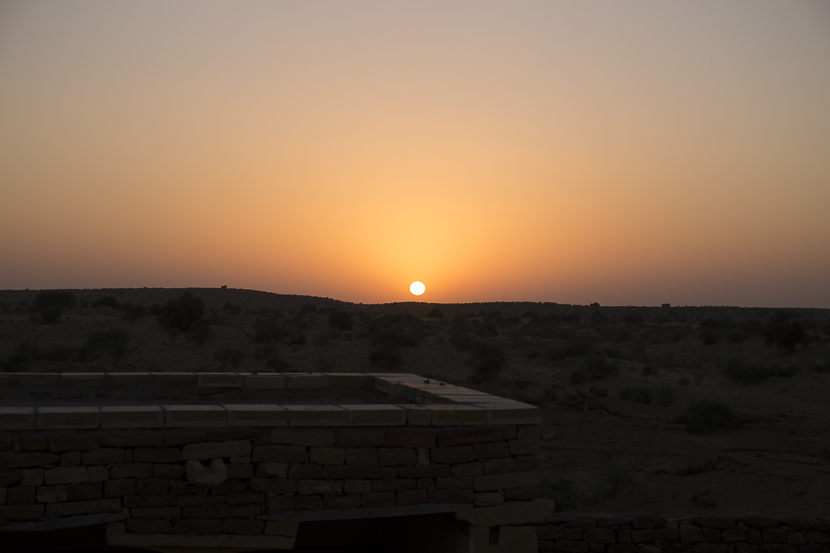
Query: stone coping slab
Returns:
{"type": "Point", "coordinates": [77, 521]}
{"type": "Point", "coordinates": [412, 400]}
{"type": "Point", "coordinates": [370, 512]}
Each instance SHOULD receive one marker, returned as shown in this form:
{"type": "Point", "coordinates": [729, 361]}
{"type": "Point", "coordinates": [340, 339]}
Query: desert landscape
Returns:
{"type": "Point", "coordinates": [671, 411]}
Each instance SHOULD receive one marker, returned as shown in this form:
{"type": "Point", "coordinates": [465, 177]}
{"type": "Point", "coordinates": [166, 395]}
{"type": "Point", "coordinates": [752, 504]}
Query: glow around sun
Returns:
{"type": "Point", "coordinates": [417, 288]}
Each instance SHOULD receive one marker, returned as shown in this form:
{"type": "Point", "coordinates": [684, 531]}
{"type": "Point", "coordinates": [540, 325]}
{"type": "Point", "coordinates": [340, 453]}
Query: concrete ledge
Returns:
{"type": "Point", "coordinates": [39, 379]}
{"type": "Point", "coordinates": [213, 542]}
{"type": "Point", "coordinates": [67, 417]}
{"type": "Point", "coordinates": [137, 416]}
{"type": "Point", "coordinates": [82, 379]}
{"type": "Point", "coordinates": [316, 415]}
{"type": "Point", "coordinates": [348, 380]}
{"type": "Point", "coordinates": [219, 380]}
{"type": "Point", "coordinates": [265, 381]}
{"type": "Point", "coordinates": [375, 415]}
{"type": "Point", "coordinates": [174, 378]}
{"type": "Point", "coordinates": [510, 513]}
{"type": "Point", "coordinates": [195, 416]}
{"type": "Point", "coordinates": [458, 415]}
{"type": "Point", "coordinates": [372, 512]}
{"type": "Point", "coordinates": [297, 381]}
{"type": "Point", "coordinates": [256, 415]}
{"type": "Point", "coordinates": [17, 418]}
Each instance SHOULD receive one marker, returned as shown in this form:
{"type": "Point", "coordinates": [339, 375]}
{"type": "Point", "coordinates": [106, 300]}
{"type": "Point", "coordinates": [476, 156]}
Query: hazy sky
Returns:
{"type": "Point", "coordinates": [630, 153]}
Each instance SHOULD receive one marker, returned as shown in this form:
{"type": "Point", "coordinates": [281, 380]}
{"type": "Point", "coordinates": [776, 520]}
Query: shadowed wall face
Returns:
{"type": "Point", "coordinates": [623, 154]}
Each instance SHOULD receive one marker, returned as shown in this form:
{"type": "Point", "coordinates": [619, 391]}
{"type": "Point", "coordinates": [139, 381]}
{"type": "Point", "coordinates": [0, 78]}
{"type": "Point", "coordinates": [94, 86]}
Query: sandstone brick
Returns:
{"type": "Point", "coordinates": [800, 524]}
{"type": "Point", "coordinates": [351, 501]}
{"type": "Point", "coordinates": [631, 548]}
{"type": "Point", "coordinates": [451, 496]}
{"type": "Point", "coordinates": [342, 472]}
{"type": "Point", "coordinates": [410, 437]}
{"type": "Point", "coordinates": [424, 471]}
{"type": "Point", "coordinates": [488, 499]}
{"type": "Point", "coordinates": [666, 535]}
{"type": "Point", "coordinates": [246, 526]}
{"type": "Point", "coordinates": [306, 487]}
{"type": "Point", "coordinates": [246, 497]}
{"type": "Point", "coordinates": [759, 523]}
{"type": "Point", "coordinates": [624, 535]}
{"type": "Point", "coordinates": [152, 486]}
{"type": "Point", "coordinates": [34, 444]}
{"type": "Point", "coordinates": [817, 536]}
{"type": "Point", "coordinates": [690, 534]}
{"type": "Point", "coordinates": [277, 504]}
{"type": "Point", "coordinates": [795, 538]}
{"type": "Point", "coordinates": [524, 447]}
{"type": "Point", "coordinates": [65, 475]}
{"type": "Point", "coordinates": [377, 499]}
{"type": "Point", "coordinates": [228, 487]}
{"type": "Point", "coordinates": [745, 548]}
{"type": "Point", "coordinates": [103, 456]}
{"type": "Point", "coordinates": [85, 491]}
{"type": "Point", "coordinates": [156, 512]}
{"type": "Point", "coordinates": [308, 502]}
{"type": "Point", "coordinates": [362, 437]}
{"type": "Point", "coordinates": [20, 459]}
{"type": "Point", "coordinates": [148, 526]}
{"type": "Point", "coordinates": [491, 450]}
{"type": "Point", "coordinates": [212, 450]}
{"type": "Point", "coordinates": [774, 535]}
{"type": "Point", "coordinates": [526, 463]}
{"type": "Point", "coordinates": [21, 512]}
{"type": "Point", "coordinates": [131, 470]}
{"type": "Point", "coordinates": [468, 436]}
{"type": "Point", "coordinates": [453, 455]}
{"type": "Point", "coordinates": [640, 536]}
{"type": "Point", "coordinates": [393, 484]}
{"type": "Point", "coordinates": [455, 482]}
{"type": "Point", "coordinates": [240, 472]}
{"type": "Point", "coordinates": [571, 545]}
{"type": "Point", "coordinates": [362, 456]}
{"type": "Point", "coordinates": [94, 506]}
{"type": "Point", "coordinates": [573, 533]}
{"type": "Point", "coordinates": [273, 485]}
{"type": "Point", "coordinates": [493, 482]}
{"type": "Point", "coordinates": [810, 548]}
{"type": "Point", "coordinates": [500, 466]}
{"type": "Point", "coordinates": [272, 470]}
{"type": "Point", "coordinates": [184, 438]}
{"type": "Point", "coordinates": [169, 471]}
{"type": "Point", "coordinates": [411, 497]}
{"type": "Point", "coordinates": [778, 548]}
{"type": "Point", "coordinates": [642, 522]}
{"type": "Point", "coordinates": [70, 459]}
{"type": "Point", "coordinates": [327, 455]}
{"type": "Point", "coordinates": [197, 526]}
{"type": "Point", "coordinates": [132, 501]}
{"type": "Point", "coordinates": [753, 535]}
{"type": "Point", "coordinates": [21, 495]}
{"type": "Point", "coordinates": [280, 454]}
{"type": "Point", "coordinates": [396, 456]}
{"type": "Point", "coordinates": [311, 437]}
{"type": "Point", "coordinates": [529, 432]}
{"type": "Point", "coordinates": [201, 500]}
{"type": "Point", "coordinates": [599, 535]}
{"type": "Point", "coordinates": [132, 440]}
{"type": "Point", "coordinates": [157, 455]}
{"type": "Point", "coordinates": [305, 472]}
{"type": "Point", "coordinates": [714, 522]}
{"type": "Point", "coordinates": [51, 494]}
{"type": "Point", "coordinates": [551, 532]}
{"type": "Point", "coordinates": [31, 477]}
{"type": "Point", "coordinates": [357, 486]}
{"type": "Point", "coordinates": [521, 494]}
{"type": "Point", "coordinates": [222, 511]}
{"type": "Point", "coordinates": [468, 469]}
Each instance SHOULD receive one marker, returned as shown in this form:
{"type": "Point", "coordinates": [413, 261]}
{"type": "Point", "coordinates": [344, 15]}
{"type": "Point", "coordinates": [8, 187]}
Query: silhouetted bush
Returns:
{"type": "Point", "coordinates": [578, 377]}
{"type": "Point", "coordinates": [460, 339]}
{"type": "Point", "coordinates": [598, 317]}
{"type": "Point", "coordinates": [435, 313]}
{"type": "Point", "coordinates": [106, 301]}
{"type": "Point", "coordinates": [112, 343]}
{"type": "Point", "coordinates": [17, 362]}
{"type": "Point", "coordinates": [709, 336]}
{"type": "Point", "coordinates": [683, 381]}
{"type": "Point", "coordinates": [185, 313]}
{"type": "Point", "coordinates": [489, 358]}
{"type": "Point", "coordinates": [386, 354]}
{"type": "Point", "coordinates": [785, 331]}
{"type": "Point", "coordinates": [634, 318]}
{"type": "Point", "coordinates": [640, 395]}
{"type": "Point", "coordinates": [227, 357]}
{"type": "Point", "coordinates": [707, 416]}
{"type": "Point", "coordinates": [277, 363]}
{"type": "Point", "coordinates": [753, 373]}
{"type": "Point", "coordinates": [598, 367]}
{"type": "Point", "coordinates": [231, 309]}
{"type": "Point", "coordinates": [132, 312]}
{"type": "Point", "coordinates": [49, 305]}
{"type": "Point", "coordinates": [648, 370]}
{"type": "Point", "coordinates": [58, 354]}
{"type": "Point", "coordinates": [267, 330]}
{"type": "Point", "coordinates": [340, 320]}
{"type": "Point", "coordinates": [665, 395]}
{"type": "Point", "coordinates": [570, 349]}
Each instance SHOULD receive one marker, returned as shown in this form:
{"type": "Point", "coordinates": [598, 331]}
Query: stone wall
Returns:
{"type": "Point", "coordinates": [598, 533]}
{"type": "Point", "coordinates": [172, 475]}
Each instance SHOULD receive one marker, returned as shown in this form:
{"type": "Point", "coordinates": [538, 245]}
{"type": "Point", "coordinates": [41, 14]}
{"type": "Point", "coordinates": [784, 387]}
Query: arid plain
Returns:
{"type": "Point", "coordinates": [676, 411]}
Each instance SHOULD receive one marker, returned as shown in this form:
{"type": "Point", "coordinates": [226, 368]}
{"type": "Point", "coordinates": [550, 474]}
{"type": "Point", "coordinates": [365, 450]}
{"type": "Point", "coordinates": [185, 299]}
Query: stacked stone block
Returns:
{"type": "Point", "coordinates": [650, 534]}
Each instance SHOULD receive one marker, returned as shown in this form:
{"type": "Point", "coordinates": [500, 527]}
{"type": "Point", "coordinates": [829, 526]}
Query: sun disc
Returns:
{"type": "Point", "coordinates": [417, 288]}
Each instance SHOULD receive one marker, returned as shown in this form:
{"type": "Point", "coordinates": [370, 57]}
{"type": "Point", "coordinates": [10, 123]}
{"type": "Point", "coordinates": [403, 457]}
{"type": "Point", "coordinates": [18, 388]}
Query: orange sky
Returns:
{"type": "Point", "coordinates": [628, 153]}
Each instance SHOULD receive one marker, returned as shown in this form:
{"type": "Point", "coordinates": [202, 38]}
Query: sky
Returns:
{"type": "Point", "coordinates": [627, 153]}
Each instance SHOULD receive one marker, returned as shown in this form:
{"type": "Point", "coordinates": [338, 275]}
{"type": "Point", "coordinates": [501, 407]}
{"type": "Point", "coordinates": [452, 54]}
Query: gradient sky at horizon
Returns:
{"type": "Point", "coordinates": [630, 153]}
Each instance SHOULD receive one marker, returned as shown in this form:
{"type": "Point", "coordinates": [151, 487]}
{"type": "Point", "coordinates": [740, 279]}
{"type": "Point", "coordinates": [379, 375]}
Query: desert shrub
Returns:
{"type": "Point", "coordinates": [277, 363]}
{"type": "Point", "coordinates": [615, 353]}
{"type": "Point", "coordinates": [648, 370]}
{"type": "Point", "coordinates": [58, 354]}
{"type": "Point", "coordinates": [616, 478]}
{"type": "Point", "coordinates": [753, 373]}
{"type": "Point", "coordinates": [635, 318]}
{"type": "Point", "coordinates": [267, 330]}
{"type": "Point", "coordinates": [54, 299]}
{"type": "Point", "coordinates": [638, 353]}
{"type": "Point", "coordinates": [227, 357]}
{"type": "Point", "coordinates": [132, 312]}
{"type": "Point", "coordinates": [308, 308]}
{"type": "Point", "coordinates": [386, 354]}
{"type": "Point", "coordinates": [297, 339]}
{"type": "Point", "coordinates": [489, 357]}
{"type": "Point", "coordinates": [683, 381]}
{"type": "Point", "coordinates": [112, 343]}
{"type": "Point", "coordinates": [708, 416]}
{"type": "Point", "coordinates": [569, 349]}
{"type": "Point", "coordinates": [578, 377]}
{"type": "Point", "coordinates": [231, 309]}
{"type": "Point", "coordinates": [106, 301]}
{"type": "Point", "coordinates": [667, 360]}
{"type": "Point", "coordinates": [640, 395]}
{"type": "Point", "coordinates": [821, 367]}
{"type": "Point", "coordinates": [185, 313]}
{"type": "Point", "coordinates": [826, 328]}
{"type": "Point", "coordinates": [435, 313]}
{"type": "Point", "coordinates": [340, 320]}
{"type": "Point", "coordinates": [709, 336]}
{"type": "Point", "coordinates": [665, 395]}
{"type": "Point", "coordinates": [598, 317]}
{"type": "Point", "coordinates": [785, 331]}
{"type": "Point", "coordinates": [461, 339]}
{"type": "Point", "coordinates": [561, 491]}
{"type": "Point", "coordinates": [598, 367]}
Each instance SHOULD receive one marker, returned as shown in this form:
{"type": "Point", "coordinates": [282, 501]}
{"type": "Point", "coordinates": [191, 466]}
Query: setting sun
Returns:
{"type": "Point", "coordinates": [417, 288]}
